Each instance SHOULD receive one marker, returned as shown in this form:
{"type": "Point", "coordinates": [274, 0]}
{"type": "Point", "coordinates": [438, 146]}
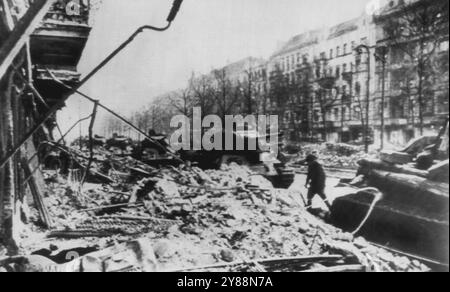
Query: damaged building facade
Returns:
{"type": "Point", "coordinates": [334, 101]}
{"type": "Point", "coordinates": [327, 84]}
{"type": "Point", "coordinates": [415, 36]}
{"type": "Point", "coordinates": [347, 83]}
{"type": "Point", "coordinates": [117, 205]}
{"type": "Point", "coordinates": [36, 37]}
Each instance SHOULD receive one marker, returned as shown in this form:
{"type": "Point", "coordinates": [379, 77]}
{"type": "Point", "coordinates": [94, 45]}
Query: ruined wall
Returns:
{"type": "Point", "coordinates": [7, 172]}
{"type": "Point", "coordinates": [11, 119]}
{"type": "Point", "coordinates": [402, 102]}
{"type": "Point", "coordinates": [21, 108]}
{"type": "Point", "coordinates": [15, 119]}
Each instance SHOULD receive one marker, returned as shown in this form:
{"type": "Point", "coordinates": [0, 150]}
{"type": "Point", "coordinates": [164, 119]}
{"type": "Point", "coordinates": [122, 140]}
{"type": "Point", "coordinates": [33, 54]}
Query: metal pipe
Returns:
{"type": "Point", "coordinates": [383, 86]}
{"type": "Point", "coordinates": [381, 55]}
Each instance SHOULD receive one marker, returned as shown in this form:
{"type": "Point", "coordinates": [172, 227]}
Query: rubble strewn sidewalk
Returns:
{"type": "Point", "coordinates": [334, 155]}
{"type": "Point", "coordinates": [216, 220]}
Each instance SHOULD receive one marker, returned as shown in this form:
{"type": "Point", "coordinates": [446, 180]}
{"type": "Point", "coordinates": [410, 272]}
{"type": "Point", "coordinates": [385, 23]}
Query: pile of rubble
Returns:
{"type": "Point", "coordinates": [333, 155]}
{"type": "Point", "coordinates": [187, 219]}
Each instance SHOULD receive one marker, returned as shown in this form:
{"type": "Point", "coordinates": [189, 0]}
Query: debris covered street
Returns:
{"type": "Point", "coordinates": [217, 220]}
{"type": "Point", "coordinates": [204, 143]}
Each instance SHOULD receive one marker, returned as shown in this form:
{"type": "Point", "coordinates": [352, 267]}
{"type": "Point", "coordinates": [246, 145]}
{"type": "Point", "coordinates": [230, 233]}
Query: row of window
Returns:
{"type": "Point", "coordinates": [292, 78]}
{"type": "Point", "coordinates": [332, 116]}
{"type": "Point", "coordinates": [259, 74]}
{"type": "Point", "coordinates": [338, 50]}
{"type": "Point", "coordinates": [397, 108]}
{"type": "Point", "coordinates": [329, 71]}
{"type": "Point", "coordinates": [289, 63]}
{"type": "Point", "coordinates": [344, 50]}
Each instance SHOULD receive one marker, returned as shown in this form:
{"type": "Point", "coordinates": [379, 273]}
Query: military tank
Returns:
{"type": "Point", "coordinates": [155, 152]}
{"type": "Point", "coordinates": [413, 213]}
{"type": "Point", "coordinates": [260, 160]}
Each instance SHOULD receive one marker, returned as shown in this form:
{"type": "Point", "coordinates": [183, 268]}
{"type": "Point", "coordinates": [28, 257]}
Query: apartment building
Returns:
{"type": "Point", "coordinates": [241, 84]}
{"type": "Point", "coordinates": [345, 76]}
{"type": "Point", "coordinates": [327, 84]}
{"type": "Point", "coordinates": [404, 117]}
{"type": "Point", "coordinates": [337, 75]}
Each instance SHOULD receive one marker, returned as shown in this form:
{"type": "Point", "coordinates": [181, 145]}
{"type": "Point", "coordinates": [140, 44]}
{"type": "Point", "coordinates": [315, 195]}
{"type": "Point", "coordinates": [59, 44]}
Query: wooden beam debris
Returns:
{"type": "Point", "coordinates": [127, 205]}
{"type": "Point", "coordinates": [37, 194]}
{"type": "Point", "coordinates": [338, 269]}
{"type": "Point", "coordinates": [271, 262]}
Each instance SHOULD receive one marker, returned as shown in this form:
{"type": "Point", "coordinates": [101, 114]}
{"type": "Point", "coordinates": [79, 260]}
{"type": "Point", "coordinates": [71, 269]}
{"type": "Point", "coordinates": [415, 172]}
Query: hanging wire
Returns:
{"type": "Point", "coordinates": [170, 152]}
{"type": "Point", "coordinates": [61, 102]}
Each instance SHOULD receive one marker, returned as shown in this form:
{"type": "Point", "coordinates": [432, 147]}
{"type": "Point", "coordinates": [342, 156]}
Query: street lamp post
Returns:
{"type": "Point", "coordinates": [381, 55]}
{"type": "Point", "coordinates": [340, 84]}
{"type": "Point", "coordinates": [366, 128]}
{"type": "Point", "coordinates": [348, 77]}
{"type": "Point", "coordinates": [315, 93]}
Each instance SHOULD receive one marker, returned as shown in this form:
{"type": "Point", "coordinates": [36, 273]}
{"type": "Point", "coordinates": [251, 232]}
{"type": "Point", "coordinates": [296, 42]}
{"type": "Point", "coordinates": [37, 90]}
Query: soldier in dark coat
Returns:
{"type": "Point", "coordinates": [315, 182]}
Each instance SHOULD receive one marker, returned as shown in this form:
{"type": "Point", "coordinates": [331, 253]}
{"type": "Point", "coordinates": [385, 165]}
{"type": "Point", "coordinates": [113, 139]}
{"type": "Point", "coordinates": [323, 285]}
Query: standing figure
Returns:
{"type": "Point", "coordinates": [315, 182]}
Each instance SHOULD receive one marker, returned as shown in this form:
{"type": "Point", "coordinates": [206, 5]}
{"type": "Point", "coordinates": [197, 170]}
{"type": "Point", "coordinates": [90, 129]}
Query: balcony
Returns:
{"type": "Point", "coordinates": [58, 44]}
{"type": "Point", "coordinates": [58, 14]}
{"type": "Point", "coordinates": [327, 81]}
{"type": "Point", "coordinates": [399, 67]}
{"type": "Point", "coordinates": [329, 124]}
{"type": "Point", "coordinates": [61, 38]}
{"type": "Point", "coordinates": [390, 122]}
{"type": "Point", "coordinates": [352, 123]}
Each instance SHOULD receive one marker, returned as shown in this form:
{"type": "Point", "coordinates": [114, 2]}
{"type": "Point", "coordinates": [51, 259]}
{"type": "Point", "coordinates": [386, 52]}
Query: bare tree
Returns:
{"type": "Point", "coordinates": [112, 125]}
{"type": "Point", "coordinates": [279, 91]}
{"type": "Point", "coordinates": [305, 87]}
{"type": "Point", "coordinates": [202, 93]}
{"type": "Point", "coordinates": [287, 92]}
{"type": "Point", "coordinates": [183, 102]}
{"type": "Point", "coordinates": [416, 28]}
{"type": "Point", "coordinates": [226, 94]}
{"type": "Point", "coordinates": [313, 80]}
{"type": "Point", "coordinates": [360, 107]}
{"type": "Point", "coordinates": [327, 92]}
{"type": "Point", "coordinates": [262, 101]}
{"type": "Point", "coordinates": [142, 120]}
{"type": "Point", "coordinates": [249, 92]}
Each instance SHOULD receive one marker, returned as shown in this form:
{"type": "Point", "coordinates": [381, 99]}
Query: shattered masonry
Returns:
{"type": "Point", "coordinates": [27, 92]}
{"type": "Point", "coordinates": [107, 211]}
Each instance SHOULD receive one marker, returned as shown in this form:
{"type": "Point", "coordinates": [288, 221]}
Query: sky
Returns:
{"type": "Point", "coordinates": [206, 34]}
